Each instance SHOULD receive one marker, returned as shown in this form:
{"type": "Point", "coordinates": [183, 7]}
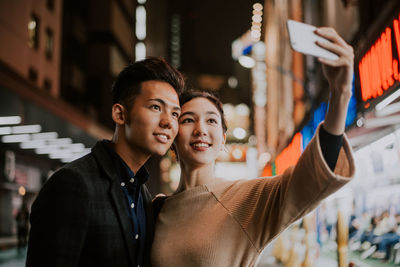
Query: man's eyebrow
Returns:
{"type": "Point", "coordinates": [162, 102]}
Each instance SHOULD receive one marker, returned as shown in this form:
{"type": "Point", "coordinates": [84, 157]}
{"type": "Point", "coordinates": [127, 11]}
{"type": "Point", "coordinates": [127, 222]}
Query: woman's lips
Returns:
{"type": "Point", "coordinates": [200, 146]}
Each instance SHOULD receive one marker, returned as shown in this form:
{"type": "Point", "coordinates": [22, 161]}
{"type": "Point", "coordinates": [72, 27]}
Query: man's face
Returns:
{"type": "Point", "coordinates": [152, 122]}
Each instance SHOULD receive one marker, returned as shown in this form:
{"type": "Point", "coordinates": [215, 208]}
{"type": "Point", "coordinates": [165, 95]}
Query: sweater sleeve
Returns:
{"type": "Point", "coordinates": [266, 206]}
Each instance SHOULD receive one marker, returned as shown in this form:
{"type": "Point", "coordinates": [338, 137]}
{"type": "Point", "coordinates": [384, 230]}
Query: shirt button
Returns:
{"type": "Point", "coordinates": [122, 184]}
{"type": "Point", "coordinates": [136, 236]}
{"type": "Point", "coordinates": [132, 205]}
{"type": "Point", "coordinates": [132, 180]}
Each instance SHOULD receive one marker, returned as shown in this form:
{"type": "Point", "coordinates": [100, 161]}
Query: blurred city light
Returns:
{"type": "Point", "coordinates": [22, 190]}
{"type": "Point", "coordinates": [388, 100]}
{"type": "Point", "coordinates": [140, 23]}
{"type": "Point", "coordinates": [5, 130]}
{"type": "Point", "coordinates": [232, 82]}
{"type": "Point", "coordinates": [26, 129]}
{"type": "Point", "coordinates": [15, 138]}
{"type": "Point", "coordinates": [140, 51]}
{"type": "Point", "coordinates": [257, 6]}
{"type": "Point", "coordinates": [10, 120]}
{"type": "Point", "coordinates": [247, 62]}
{"type": "Point", "coordinates": [237, 153]}
{"type": "Point", "coordinates": [45, 135]}
{"type": "Point", "coordinates": [239, 133]}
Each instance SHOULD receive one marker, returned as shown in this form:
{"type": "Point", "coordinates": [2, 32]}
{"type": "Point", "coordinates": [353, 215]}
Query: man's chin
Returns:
{"type": "Point", "coordinates": [160, 152]}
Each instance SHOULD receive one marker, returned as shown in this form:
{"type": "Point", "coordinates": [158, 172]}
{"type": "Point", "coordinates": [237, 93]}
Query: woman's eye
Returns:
{"type": "Point", "coordinates": [187, 120]}
{"type": "Point", "coordinates": [175, 114]}
{"type": "Point", "coordinates": [212, 120]}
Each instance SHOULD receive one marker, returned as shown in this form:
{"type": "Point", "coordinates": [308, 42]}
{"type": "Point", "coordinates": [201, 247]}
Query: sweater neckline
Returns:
{"type": "Point", "coordinates": [195, 189]}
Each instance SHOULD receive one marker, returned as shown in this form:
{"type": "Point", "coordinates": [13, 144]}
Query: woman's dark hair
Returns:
{"type": "Point", "coordinates": [191, 94]}
{"type": "Point", "coordinates": [128, 83]}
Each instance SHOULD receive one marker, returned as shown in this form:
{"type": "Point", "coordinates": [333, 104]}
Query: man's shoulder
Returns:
{"type": "Point", "coordinates": [86, 168]}
{"type": "Point", "coordinates": [82, 162]}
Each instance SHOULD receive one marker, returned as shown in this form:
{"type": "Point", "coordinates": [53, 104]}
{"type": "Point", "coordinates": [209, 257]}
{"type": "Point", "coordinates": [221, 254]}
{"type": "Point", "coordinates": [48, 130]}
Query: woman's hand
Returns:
{"type": "Point", "coordinates": [339, 74]}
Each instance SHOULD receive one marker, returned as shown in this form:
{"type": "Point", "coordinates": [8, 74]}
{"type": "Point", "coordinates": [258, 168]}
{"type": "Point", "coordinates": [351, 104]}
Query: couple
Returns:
{"type": "Point", "coordinates": [96, 211]}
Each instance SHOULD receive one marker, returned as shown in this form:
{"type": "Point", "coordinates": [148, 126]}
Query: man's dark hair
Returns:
{"type": "Point", "coordinates": [128, 83]}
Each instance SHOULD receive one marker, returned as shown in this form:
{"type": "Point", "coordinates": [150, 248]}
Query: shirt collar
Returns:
{"type": "Point", "coordinates": [124, 171]}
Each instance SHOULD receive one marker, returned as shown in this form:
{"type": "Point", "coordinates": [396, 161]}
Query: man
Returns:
{"type": "Point", "coordinates": [96, 211]}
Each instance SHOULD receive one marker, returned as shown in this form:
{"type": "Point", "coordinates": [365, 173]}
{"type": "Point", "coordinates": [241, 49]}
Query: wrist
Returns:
{"type": "Point", "coordinates": [340, 95]}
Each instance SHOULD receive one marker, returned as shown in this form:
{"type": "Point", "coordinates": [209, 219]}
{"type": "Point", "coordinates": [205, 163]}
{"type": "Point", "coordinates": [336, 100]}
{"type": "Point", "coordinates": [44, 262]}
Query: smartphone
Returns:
{"type": "Point", "coordinates": [302, 39]}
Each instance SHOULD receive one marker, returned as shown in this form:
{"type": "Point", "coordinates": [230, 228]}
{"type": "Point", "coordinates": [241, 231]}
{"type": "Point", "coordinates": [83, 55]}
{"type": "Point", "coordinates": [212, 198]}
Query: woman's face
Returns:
{"type": "Point", "coordinates": [200, 136]}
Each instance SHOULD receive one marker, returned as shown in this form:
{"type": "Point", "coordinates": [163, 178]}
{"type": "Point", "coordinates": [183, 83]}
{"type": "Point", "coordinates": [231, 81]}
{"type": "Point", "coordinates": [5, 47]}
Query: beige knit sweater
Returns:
{"type": "Point", "coordinates": [228, 223]}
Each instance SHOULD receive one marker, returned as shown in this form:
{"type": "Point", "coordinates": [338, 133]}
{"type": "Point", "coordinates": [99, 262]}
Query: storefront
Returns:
{"type": "Point", "coordinates": [35, 139]}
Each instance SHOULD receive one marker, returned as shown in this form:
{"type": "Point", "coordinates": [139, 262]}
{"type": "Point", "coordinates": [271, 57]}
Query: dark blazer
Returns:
{"type": "Point", "coordinates": [80, 217]}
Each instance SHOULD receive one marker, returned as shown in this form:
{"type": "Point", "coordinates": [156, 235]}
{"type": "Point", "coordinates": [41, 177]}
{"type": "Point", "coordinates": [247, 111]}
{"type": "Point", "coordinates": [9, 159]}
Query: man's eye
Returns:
{"type": "Point", "coordinates": [155, 107]}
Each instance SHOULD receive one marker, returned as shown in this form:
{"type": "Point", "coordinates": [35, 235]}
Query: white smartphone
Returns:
{"type": "Point", "coordinates": [302, 39]}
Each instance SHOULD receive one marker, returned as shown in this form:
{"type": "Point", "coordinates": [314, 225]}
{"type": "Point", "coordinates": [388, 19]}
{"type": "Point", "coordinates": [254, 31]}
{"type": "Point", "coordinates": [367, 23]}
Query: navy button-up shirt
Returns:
{"type": "Point", "coordinates": [131, 185]}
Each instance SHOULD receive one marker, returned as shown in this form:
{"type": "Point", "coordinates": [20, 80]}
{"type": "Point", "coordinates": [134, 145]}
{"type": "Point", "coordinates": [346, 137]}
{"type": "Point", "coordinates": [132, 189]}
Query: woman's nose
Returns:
{"type": "Point", "coordinates": [200, 129]}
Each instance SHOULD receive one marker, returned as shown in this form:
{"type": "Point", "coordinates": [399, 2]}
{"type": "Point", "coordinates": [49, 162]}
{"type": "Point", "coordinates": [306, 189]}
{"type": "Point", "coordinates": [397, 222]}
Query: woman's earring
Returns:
{"type": "Point", "coordinates": [225, 148]}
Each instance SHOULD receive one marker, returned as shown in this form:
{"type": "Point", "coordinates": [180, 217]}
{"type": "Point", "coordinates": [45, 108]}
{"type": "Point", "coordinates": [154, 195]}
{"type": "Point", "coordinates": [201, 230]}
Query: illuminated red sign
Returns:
{"type": "Point", "coordinates": [378, 68]}
{"type": "Point", "coordinates": [288, 157]}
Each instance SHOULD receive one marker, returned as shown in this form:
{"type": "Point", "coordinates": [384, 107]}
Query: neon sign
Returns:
{"type": "Point", "coordinates": [378, 68]}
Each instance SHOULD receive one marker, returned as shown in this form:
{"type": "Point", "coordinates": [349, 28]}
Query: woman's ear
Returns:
{"type": "Point", "coordinates": [118, 114]}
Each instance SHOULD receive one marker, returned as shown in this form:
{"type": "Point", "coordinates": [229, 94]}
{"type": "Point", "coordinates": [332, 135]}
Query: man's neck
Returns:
{"type": "Point", "coordinates": [134, 159]}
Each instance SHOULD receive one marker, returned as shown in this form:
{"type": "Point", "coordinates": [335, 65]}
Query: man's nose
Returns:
{"type": "Point", "coordinates": [165, 121]}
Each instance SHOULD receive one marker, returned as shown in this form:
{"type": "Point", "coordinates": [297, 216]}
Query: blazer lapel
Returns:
{"type": "Point", "coordinates": [107, 163]}
{"type": "Point", "coordinates": [148, 206]}
{"type": "Point", "coordinates": [124, 220]}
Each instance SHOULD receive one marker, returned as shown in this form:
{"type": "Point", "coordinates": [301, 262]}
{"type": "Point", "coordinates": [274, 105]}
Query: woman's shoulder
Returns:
{"type": "Point", "coordinates": [221, 185]}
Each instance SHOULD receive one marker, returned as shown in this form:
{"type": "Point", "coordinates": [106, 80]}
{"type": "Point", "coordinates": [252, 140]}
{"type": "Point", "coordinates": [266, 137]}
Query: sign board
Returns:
{"type": "Point", "coordinates": [379, 67]}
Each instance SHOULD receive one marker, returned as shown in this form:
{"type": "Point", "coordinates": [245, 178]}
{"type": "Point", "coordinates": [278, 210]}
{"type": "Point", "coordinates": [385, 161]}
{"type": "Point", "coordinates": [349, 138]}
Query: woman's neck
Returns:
{"type": "Point", "coordinates": [195, 176]}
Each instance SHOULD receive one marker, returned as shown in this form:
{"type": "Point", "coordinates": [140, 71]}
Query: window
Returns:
{"type": "Point", "coordinates": [32, 74]}
{"type": "Point", "coordinates": [49, 42]}
{"type": "Point", "coordinates": [33, 29]}
{"type": "Point", "coordinates": [50, 5]}
{"type": "Point", "coordinates": [47, 84]}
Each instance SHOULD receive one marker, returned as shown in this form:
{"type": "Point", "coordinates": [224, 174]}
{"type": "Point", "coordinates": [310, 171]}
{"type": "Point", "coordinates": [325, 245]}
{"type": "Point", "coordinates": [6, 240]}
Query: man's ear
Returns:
{"type": "Point", "coordinates": [118, 114]}
{"type": "Point", "coordinates": [175, 153]}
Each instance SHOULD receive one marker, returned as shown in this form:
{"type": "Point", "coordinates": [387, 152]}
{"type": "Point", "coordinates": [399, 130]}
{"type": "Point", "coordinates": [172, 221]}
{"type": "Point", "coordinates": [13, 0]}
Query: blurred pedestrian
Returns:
{"type": "Point", "coordinates": [22, 220]}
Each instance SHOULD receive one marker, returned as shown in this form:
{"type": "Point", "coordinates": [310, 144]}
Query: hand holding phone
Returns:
{"type": "Point", "coordinates": [303, 37]}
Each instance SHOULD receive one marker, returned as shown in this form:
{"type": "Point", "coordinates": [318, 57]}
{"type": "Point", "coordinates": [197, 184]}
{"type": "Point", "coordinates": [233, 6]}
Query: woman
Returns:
{"type": "Point", "coordinates": [215, 222]}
